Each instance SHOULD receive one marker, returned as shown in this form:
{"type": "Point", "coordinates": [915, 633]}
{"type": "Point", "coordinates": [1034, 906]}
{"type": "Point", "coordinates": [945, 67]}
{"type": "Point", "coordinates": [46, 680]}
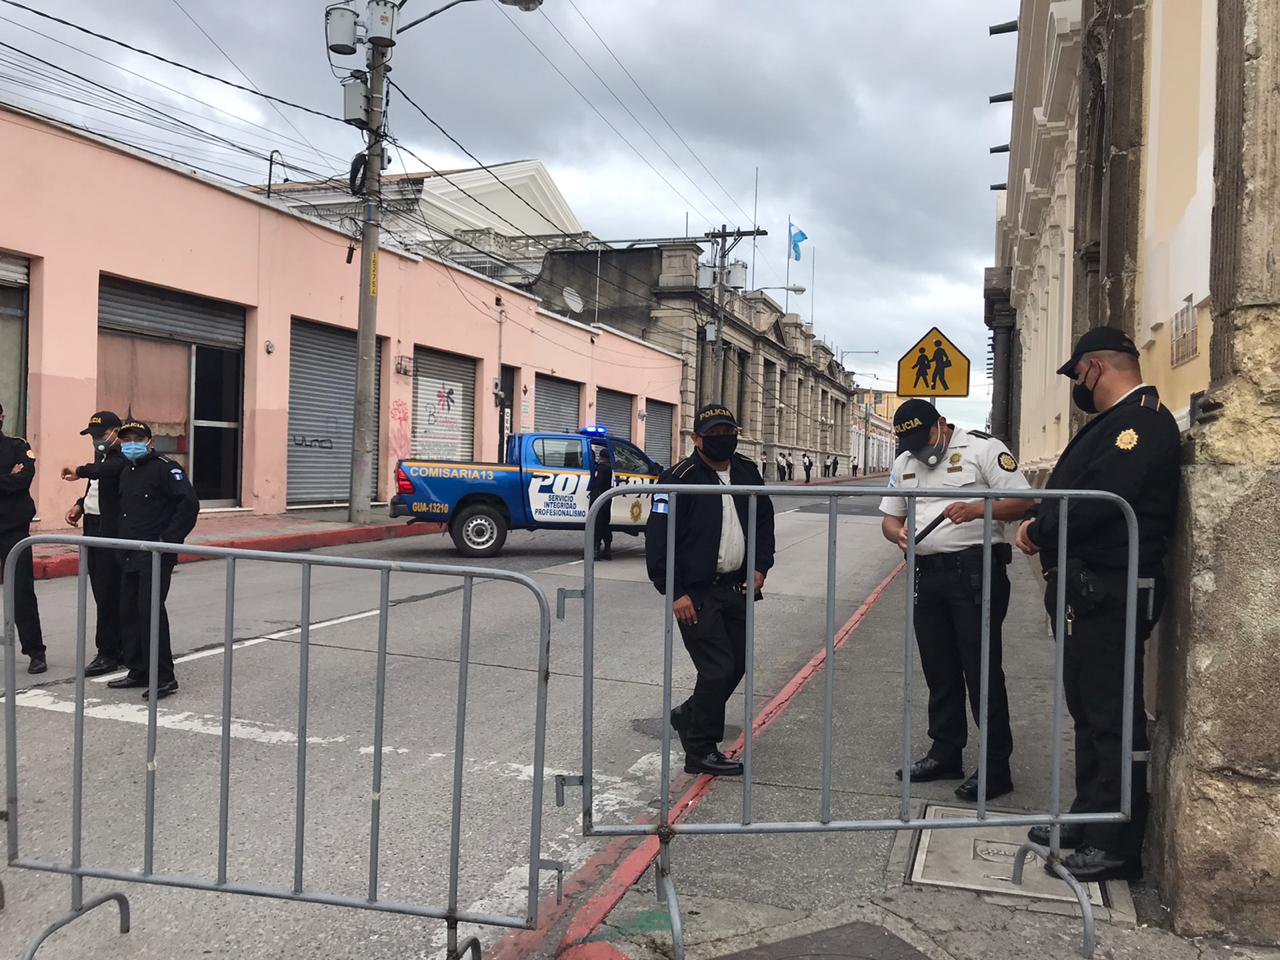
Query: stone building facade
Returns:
{"type": "Point", "coordinates": [1143, 193]}
{"type": "Point", "coordinates": [790, 393]}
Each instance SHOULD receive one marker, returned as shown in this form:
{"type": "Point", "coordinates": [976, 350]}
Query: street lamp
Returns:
{"type": "Point", "coordinates": [365, 107]}
{"type": "Point", "coordinates": [790, 288]}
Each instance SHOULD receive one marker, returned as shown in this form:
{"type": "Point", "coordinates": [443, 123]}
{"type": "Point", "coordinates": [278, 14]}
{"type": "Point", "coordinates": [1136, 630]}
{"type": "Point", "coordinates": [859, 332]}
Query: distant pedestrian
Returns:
{"type": "Point", "coordinates": [157, 504]}
{"type": "Point", "coordinates": [100, 508]}
{"type": "Point", "coordinates": [807, 462]}
{"type": "Point", "coordinates": [835, 465]}
{"type": "Point", "coordinates": [764, 465]}
{"type": "Point", "coordinates": [791, 468]}
{"type": "Point", "coordinates": [711, 579]}
{"type": "Point", "coordinates": [826, 466]}
{"type": "Point", "coordinates": [1132, 448]}
{"type": "Point", "coordinates": [782, 466]}
{"type": "Point", "coordinates": [17, 509]}
{"type": "Point", "coordinates": [601, 481]}
{"type": "Point", "coordinates": [853, 468]}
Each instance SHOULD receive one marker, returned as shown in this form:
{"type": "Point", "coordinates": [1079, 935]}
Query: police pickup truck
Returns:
{"type": "Point", "coordinates": [542, 485]}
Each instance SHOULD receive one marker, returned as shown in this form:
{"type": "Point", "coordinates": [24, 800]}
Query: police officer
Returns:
{"type": "Point", "coordinates": [1131, 448]}
{"type": "Point", "coordinates": [17, 470]}
{"type": "Point", "coordinates": [100, 509]}
{"type": "Point", "coordinates": [948, 603]}
{"type": "Point", "coordinates": [710, 579]}
{"type": "Point", "coordinates": [601, 480]}
{"type": "Point", "coordinates": [807, 462]}
{"type": "Point", "coordinates": [157, 503]}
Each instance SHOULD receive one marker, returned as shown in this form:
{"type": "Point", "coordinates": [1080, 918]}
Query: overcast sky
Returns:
{"type": "Point", "coordinates": [868, 121]}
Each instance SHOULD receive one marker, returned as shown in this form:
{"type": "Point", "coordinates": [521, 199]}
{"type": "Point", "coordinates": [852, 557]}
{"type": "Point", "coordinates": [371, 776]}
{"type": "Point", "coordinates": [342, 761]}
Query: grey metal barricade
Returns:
{"type": "Point", "coordinates": [665, 829]}
{"type": "Point", "coordinates": [77, 870]}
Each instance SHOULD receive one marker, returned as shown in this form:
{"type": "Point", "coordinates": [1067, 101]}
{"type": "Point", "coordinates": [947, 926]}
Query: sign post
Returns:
{"type": "Point", "coordinates": [933, 367]}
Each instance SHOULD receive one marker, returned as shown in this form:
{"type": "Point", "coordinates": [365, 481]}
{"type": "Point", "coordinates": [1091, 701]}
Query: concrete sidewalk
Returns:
{"type": "Point", "coordinates": [885, 895]}
{"type": "Point", "coordinates": [300, 530]}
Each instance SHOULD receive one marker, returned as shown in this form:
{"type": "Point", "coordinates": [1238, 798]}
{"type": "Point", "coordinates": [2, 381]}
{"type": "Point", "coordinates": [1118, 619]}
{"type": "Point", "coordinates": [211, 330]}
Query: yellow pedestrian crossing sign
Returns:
{"type": "Point", "coordinates": [933, 367]}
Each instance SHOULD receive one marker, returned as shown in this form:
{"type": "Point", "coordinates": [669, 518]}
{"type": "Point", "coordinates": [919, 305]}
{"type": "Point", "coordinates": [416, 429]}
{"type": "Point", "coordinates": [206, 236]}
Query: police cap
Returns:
{"type": "Point", "coordinates": [912, 422]}
{"type": "Point", "coordinates": [100, 423]}
{"type": "Point", "coordinates": [711, 415]}
{"type": "Point", "coordinates": [135, 426]}
{"type": "Point", "coordinates": [1099, 338]}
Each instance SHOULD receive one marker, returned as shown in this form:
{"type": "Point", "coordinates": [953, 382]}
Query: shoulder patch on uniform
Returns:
{"type": "Point", "coordinates": [1006, 462]}
{"type": "Point", "coordinates": [31, 453]}
{"type": "Point", "coordinates": [893, 481]}
{"type": "Point", "coordinates": [1127, 439]}
{"type": "Point", "coordinates": [980, 435]}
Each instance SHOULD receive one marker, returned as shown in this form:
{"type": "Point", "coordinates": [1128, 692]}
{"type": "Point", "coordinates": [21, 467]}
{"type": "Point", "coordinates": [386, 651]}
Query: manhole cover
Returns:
{"type": "Point", "coordinates": [982, 859]}
{"type": "Point", "coordinates": [853, 941]}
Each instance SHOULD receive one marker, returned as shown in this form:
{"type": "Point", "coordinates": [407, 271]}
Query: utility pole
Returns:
{"type": "Point", "coordinates": [722, 237]}
{"type": "Point", "coordinates": [366, 415]}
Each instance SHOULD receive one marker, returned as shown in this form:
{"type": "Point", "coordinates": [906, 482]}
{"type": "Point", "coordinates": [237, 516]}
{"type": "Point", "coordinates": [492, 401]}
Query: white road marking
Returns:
{"type": "Point", "coordinates": [250, 642]}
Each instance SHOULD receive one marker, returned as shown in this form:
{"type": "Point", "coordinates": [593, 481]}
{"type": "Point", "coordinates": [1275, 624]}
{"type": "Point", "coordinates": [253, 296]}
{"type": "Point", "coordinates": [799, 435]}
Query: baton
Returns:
{"type": "Point", "coordinates": [933, 525]}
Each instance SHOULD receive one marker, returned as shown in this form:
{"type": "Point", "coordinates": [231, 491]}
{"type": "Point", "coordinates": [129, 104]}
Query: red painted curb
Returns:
{"type": "Point", "coordinates": [635, 863]}
{"type": "Point", "coordinates": [68, 565]}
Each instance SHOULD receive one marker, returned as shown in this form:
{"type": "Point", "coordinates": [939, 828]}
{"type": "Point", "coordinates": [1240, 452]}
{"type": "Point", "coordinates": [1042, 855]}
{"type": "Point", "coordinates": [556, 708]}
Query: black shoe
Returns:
{"type": "Point", "coordinates": [162, 690]}
{"type": "Point", "coordinates": [1091, 865]}
{"type": "Point", "coordinates": [100, 666]}
{"type": "Point", "coordinates": [38, 664]}
{"type": "Point", "coordinates": [997, 786]}
{"type": "Point", "coordinates": [608, 552]}
{"type": "Point", "coordinates": [1070, 836]}
{"type": "Point", "coordinates": [927, 768]}
{"type": "Point", "coordinates": [679, 722]}
{"type": "Point", "coordinates": [714, 763]}
{"type": "Point", "coordinates": [127, 682]}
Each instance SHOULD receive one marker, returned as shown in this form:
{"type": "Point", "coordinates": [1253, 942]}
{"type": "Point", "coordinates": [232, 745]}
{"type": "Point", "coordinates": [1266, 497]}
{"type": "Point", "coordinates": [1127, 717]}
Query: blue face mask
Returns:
{"type": "Point", "coordinates": [134, 449]}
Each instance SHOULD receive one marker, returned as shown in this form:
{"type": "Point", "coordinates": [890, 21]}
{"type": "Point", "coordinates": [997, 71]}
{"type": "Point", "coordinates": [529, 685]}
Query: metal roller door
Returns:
{"type": "Point", "coordinates": [444, 405]}
{"type": "Point", "coordinates": [13, 270]}
{"type": "Point", "coordinates": [613, 410]}
{"type": "Point", "coordinates": [556, 404]}
{"type": "Point", "coordinates": [658, 419]}
{"type": "Point", "coordinates": [128, 307]}
{"type": "Point", "coordinates": [322, 397]}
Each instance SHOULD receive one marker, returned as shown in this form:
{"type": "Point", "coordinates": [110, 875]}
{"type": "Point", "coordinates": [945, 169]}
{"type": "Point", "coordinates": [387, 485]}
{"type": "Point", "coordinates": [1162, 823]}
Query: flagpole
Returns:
{"type": "Point", "coordinates": [786, 301]}
{"type": "Point", "coordinates": [755, 225]}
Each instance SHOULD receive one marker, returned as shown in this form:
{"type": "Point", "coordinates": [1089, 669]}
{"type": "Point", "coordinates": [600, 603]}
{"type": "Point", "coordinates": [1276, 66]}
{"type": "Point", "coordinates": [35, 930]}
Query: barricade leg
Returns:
{"type": "Point", "coordinates": [1089, 940]}
{"type": "Point", "coordinates": [121, 901]}
{"type": "Point", "coordinates": [666, 890]}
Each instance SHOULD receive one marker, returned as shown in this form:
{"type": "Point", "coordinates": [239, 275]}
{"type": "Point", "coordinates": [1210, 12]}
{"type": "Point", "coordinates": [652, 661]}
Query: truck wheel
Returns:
{"type": "Point", "coordinates": [479, 530]}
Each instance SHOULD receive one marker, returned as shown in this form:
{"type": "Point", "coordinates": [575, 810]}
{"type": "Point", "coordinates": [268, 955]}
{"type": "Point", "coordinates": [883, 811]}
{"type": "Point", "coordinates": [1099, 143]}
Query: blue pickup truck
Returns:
{"type": "Point", "coordinates": [542, 484]}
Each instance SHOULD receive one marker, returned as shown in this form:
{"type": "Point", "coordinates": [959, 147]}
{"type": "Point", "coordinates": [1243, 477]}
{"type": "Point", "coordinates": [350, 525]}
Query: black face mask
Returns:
{"type": "Point", "coordinates": [1082, 395]}
{"type": "Point", "coordinates": [720, 448]}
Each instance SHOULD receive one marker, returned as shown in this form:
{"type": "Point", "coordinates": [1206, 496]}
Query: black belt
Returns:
{"type": "Point", "coordinates": [727, 580]}
{"type": "Point", "coordinates": [964, 559]}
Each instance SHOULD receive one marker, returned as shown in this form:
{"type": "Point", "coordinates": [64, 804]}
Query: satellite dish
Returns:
{"type": "Point", "coordinates": [573, 299]}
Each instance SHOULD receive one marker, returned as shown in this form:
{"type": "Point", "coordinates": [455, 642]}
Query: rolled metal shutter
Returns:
{"type": "Point", "coordinates": [613, 410]}
{"type": "Point", "coordinates": [556, 404]}
{"type": "Point", "coordinates": [128, 307]}
{"type": "Point", "coordinates": [14, 271]}
{"type": "Point", "coordinates": [658, 420]}
{"type": "Point", "coordinates": [444, 405]}
{"type": "Point", "coordinates": [322, 397]}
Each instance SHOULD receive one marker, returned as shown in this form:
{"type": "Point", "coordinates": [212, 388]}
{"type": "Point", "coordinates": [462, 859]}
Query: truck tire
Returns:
{"type": "Point", "coordinates": [479, 530]}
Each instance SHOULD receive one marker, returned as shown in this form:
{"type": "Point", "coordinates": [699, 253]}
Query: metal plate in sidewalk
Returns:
{"type": "Point", "coordinates": [981, 859]}
{"type": "Point", "coordinates": [853, 941]}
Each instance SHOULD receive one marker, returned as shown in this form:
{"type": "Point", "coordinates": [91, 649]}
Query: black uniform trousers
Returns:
{"type": "Point", "coordinates": [717, 645]}
{"type": "Point", "coordinates": [135, 615]}
{"type": "Point", "coordinates": [948, 623]}
{"type": "Point", "coordinates": [104, 578]}
{"type": "Point", "coordinates": [1093, 683]}
{"type": "Point", "coordinates": [603, 534]}
{"type": "Point", "coordinates": [26, 612]}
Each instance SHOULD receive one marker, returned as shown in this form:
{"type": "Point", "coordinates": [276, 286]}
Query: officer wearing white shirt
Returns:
{"type": "Point", "coordinates": [933, 454]}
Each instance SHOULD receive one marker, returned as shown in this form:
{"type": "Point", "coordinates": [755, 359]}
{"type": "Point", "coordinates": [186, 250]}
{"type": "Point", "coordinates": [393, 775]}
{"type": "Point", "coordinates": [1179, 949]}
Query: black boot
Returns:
{"type": "Point", "coordinates": [714, 763]}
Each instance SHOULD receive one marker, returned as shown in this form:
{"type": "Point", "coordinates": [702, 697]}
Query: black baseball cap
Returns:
{"type": "Point", "coordinates": [100, 423]}
{"type": "Point", "coordinates": [912, 422]}
{"type": "Point", "coordinates": [136, 426]}
{"type": "Point", "coordinates": [711, 415]}
{"type": "Point", "coordinates": [1099, 338]}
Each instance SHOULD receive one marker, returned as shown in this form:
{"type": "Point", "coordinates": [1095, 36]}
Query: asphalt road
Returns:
{"type": "Point", "coordinates": [418, 751]}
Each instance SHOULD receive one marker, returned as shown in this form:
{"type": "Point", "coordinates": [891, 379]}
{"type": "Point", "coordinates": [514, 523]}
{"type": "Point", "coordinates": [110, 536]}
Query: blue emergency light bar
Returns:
{"type": "Point", "coordinates": [599, 430]}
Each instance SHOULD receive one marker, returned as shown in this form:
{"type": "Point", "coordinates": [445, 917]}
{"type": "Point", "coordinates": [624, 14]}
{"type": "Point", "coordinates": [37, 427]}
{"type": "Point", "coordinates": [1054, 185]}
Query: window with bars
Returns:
{"type": "Point", "coordinates": [1186, 334]}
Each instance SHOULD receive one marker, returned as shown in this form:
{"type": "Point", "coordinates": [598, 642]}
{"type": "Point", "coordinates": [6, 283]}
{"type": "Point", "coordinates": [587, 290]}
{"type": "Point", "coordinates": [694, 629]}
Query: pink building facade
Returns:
{"type": "Point", "coordinates": [228, 322]}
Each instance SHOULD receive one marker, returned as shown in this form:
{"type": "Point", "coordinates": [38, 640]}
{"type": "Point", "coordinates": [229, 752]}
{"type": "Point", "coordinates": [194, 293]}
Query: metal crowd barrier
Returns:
{"type": "Point", "coordinates": [78, 870]}
{"type": "Point", "coordinates": [666, 830]}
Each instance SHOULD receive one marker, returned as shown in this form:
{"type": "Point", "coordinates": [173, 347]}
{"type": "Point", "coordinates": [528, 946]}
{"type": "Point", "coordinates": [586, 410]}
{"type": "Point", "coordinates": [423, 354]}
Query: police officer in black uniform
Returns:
{"type": "Point", "coordinates": [710, 579]}
{"type": "Point", "coordinates": [100, 509]}
{"type": "Point", "coordinates": [1131, 448]}
{"type": "Point", "coordinates": [157, 503]}
{"type": "Point", "coordinates": [601, 480]}
{"type": "Point", "coordinates": [17, 509]}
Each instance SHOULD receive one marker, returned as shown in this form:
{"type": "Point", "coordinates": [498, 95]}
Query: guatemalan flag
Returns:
{"type": "Point", "coordinates": [795, 237]}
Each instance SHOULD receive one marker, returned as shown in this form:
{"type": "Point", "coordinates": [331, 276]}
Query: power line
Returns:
{"type": "Point", "coordinates": [658, 110]}
{"type": "Point", "coordinates": [587, 100]}
{"type": "Point", "coordinates": [170, 62]}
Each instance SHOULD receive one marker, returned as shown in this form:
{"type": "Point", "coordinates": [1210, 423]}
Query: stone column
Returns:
{"type": "Point", "coordinates": [1000, 318]}
{"type": "Point", "coordinates": [1216, 838]}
